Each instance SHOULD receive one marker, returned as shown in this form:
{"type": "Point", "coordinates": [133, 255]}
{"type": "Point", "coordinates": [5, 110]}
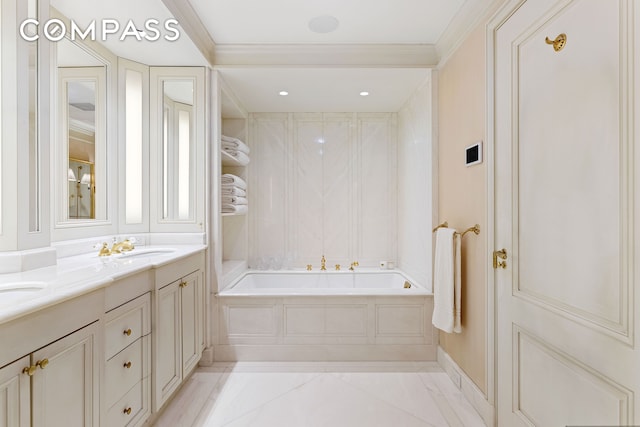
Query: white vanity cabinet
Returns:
{"type": "Point", "coordinates": [56, 385]}
{"type": "Point", "coordinates": [128, 363]}
{"type": "Point", "coordinates": [179, 324]}
{"type": "Point", "coordinates": [15, 394]}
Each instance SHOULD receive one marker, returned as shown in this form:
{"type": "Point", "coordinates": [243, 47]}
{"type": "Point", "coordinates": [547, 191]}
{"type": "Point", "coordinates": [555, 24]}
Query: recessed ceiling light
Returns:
{"type": "Point", "coordinates": [323, 24]}
{"type": "Point", "coordinates": [283, 93]}
{"type": "Point", "coordinates": [364, 93]}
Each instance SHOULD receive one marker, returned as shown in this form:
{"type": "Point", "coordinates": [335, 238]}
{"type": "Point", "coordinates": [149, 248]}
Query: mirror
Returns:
{"type": "Point", "coordinates": [178, 151]}
{"type": "Point", "coordinates": [82, 114]}
{"type": "Point", "coordinates": [34, 149]}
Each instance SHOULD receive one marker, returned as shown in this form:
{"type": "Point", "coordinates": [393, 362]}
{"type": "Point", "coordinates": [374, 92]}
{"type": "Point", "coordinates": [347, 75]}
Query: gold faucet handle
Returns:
{"type": "Point", "coordinates": [309, 267]}
{"type": "Point", "coordinates": [104, 250]}
{"type": "Point", "coordinates": [354, 264]}
{"type": "Point", "coordinates": [337, 267]}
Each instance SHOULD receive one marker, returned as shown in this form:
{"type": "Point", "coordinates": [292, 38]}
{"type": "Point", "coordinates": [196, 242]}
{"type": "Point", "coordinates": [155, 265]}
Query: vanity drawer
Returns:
{"type": "Point", "coordinates": [126, 324]}
{"type": "Point", "coordinates": [123, 371]}
{"type": "Point", "coordinates": [132, 408]}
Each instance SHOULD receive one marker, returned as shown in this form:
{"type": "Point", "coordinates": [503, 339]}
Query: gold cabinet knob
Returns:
{"type": "Point", "coordinates": [42, 363]}
{"type": "Point", "coordinates": [30, 370]}
{"type": "Point", "coordinates": [127, 365]}
{"type": "Point", "coordinates": [183, 284]}
{"type": "Point", "coordinates": [127, 332]}
{"type": "Point", "coordinates": [128, 411]}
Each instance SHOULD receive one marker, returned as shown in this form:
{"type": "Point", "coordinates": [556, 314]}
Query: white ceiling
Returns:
{"type": "Point", "coordinates": [360, 21]}
{"type": "Point", "coordinates": [323, 89]}
{"type": "Point", "coordinates": [392, 24]}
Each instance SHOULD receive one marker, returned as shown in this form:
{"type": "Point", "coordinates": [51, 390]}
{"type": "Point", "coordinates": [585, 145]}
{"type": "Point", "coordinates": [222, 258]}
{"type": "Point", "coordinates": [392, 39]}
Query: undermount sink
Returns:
{"type": "Point", "coordinates": [17, 290]}
{"type": "Point", "coordinates": [147, 252]}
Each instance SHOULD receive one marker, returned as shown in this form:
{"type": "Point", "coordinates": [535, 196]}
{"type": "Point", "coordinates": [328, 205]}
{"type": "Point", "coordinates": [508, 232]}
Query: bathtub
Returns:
{"type": "Point", "coordinates": [367, 315]}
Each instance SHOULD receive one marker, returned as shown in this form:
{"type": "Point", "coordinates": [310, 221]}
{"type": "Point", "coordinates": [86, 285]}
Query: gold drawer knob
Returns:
{"type": "Point", "coordinates": [127, 332]}
{"type": "Point", "coordinates": [127, 365]}
{"type": "Point", "coordinates": [42, 363]}
{"type": "Point", "coordinates": [30, 370]}
{"type": "Point", "coordinates": [183, 284]}
{"type": "Point", "coordinates": [127, 411]}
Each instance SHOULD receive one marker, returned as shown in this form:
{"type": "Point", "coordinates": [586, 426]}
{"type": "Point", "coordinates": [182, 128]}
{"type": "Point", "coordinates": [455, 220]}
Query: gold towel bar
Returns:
{"type": "Point", "coordinates": [475, 229]}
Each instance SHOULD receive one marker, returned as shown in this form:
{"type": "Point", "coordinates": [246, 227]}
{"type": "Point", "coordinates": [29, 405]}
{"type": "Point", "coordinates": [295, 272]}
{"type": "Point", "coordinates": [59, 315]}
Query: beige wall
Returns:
{"type": "Point", "coordinates": [463, 196]}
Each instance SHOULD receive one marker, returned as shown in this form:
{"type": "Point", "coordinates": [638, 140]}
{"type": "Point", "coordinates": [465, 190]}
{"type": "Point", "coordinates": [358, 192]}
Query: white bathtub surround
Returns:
{"type": "Point", "coordinates": [340, 394]}
{"type": "Point", "coordinates": [466, 387]}
{"type": "Point", "coordinates": [312, 316]}
{"type": "Point", "coordinates": [446, 281]}
{"type": "Point", "coordinates": [323, 184]}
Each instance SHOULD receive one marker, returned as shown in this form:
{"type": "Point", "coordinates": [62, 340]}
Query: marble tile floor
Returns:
{"type": "Point", "coordinates": [336, 394]}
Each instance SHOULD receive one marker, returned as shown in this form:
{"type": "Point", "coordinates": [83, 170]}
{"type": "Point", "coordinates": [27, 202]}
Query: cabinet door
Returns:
{"type": "Point", "coordinates": [168, 339]}
{"type": "Point", "coordinates": [65, 385]}
{"type": "Point", "coordinates": [15, 398]}
{"type": "Point", "coordinates": [191, 299]}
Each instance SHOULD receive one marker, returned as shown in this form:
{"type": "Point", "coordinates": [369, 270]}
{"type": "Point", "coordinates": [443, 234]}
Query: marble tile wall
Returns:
{"type": "Point", "coordinates": [322, 184]}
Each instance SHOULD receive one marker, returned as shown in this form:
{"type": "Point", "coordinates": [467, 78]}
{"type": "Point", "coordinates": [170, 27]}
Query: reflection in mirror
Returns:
{"type": "Point", "coordinates": [177, 150]}
{"type": "Point", "coordinates": [82, 111]}
{"type": "Point", "coordinates": [34, 152]}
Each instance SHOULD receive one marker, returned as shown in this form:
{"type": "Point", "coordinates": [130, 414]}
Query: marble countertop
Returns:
{"type": "Point", "coordinates": [27, 292]}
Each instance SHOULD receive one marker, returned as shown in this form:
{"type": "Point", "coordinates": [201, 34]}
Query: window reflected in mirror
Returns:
{"type": "Point", "coordinates": [81, 201]}
{"type": "Point", "coordinates": [178, 150]}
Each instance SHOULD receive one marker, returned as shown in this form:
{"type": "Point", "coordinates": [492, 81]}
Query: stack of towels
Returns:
{"type": "Point", "coordinates": [236, 149]}
{"type": "Point", "coordinates": [234, 194]}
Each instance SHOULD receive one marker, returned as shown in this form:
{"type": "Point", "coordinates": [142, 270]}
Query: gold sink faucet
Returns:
{"type": "Point", "coordinates": [323, 264]}
{"type": "Point", "coordinates": [125, 246]}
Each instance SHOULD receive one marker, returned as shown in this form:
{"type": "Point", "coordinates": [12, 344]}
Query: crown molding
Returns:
{"type": "Point", "coordinates": [463, 23]}
{"type": "Point", "coordinates": [327, 55]}
{"type": "Point", "coordinates": [193, 27]}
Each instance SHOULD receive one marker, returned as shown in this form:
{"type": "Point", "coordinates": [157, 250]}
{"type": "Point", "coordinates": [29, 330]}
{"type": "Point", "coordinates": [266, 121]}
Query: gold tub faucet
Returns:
{"type": "Point", "coordinates": [354, 264]}
{"type": "Point", "coordinates": [323, 264]}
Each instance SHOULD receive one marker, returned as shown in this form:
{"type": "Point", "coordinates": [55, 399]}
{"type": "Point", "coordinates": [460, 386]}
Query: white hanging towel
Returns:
{"type": "Point", "coordinates": [446, 281]}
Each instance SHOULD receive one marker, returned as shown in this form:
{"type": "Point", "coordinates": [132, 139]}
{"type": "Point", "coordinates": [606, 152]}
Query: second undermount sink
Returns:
{"type": "Point", "coordinates": [17, 290]}
{"type": "Point", "coordinates": [147, 252]}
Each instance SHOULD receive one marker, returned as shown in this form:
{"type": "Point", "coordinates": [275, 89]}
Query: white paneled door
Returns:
{"type": "Point", "coordinates": [567, 214]}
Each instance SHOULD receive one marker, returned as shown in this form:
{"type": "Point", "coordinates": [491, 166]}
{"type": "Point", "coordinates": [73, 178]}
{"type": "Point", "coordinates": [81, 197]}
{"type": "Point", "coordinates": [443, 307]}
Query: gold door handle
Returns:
{"type": "Point", "coordinates": [127, 365]}
{"type": "Point", "coordinates": [127, 411]}
{"type": "Point", "coordinates": [42, 363]}
{"type": "Point", "coordinates": [127, 332]}
{"type": "Point", "coordinates": [30, 370]}
{"type": "Point", "coordinates": [502, 255]}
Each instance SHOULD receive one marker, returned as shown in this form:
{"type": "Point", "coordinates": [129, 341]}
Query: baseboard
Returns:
{"type": "Point", "coordinates": [207, 357]}
{"type": "Point", "coordinates": [473, 394]}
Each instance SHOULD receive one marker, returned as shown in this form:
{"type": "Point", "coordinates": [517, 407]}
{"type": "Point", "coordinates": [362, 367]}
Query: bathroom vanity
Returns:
{"type": "Point", "coordinates": [105, 341]}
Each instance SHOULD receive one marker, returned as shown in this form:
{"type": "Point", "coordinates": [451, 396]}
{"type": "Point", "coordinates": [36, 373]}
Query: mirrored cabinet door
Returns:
{"type": "Point", "coordinates": [177, 146]}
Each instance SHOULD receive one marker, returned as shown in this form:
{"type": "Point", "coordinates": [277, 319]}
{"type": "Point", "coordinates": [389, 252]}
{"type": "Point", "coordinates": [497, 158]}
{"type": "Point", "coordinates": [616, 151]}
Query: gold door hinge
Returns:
{"type": "Point", "coordinates": [502, 255]}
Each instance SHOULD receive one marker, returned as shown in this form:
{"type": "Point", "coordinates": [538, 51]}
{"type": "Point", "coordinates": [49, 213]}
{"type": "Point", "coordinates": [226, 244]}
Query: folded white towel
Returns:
{"type": "Point", "coordinates": [228, 178]}
{"type": "Point", "coordinates": [234, 200]}
{"type": "Point", "coordinates": [240, 157]}
{"type": "Point", "coordinates": [231, 190]}
{"type": "Point", "coordinates": [446, 281]}
{"type": "Point", "coordinates": [234, 144]}
{"type": "Point", "coordinates": [237, 209]}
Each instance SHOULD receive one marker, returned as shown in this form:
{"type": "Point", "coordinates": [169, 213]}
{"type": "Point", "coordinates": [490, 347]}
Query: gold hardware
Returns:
{"type": "Point", "coordinates": [558, 43]}
{"type": "Point", "coordinates": [502, 254]}
{"type": "Point", "coordinates": [443, 225]}
{"type": "Point", "coordinates": [127, 411]}
{"type": "Point", "coordinates": [354, 264]}
{"type": "Point", "coordinates": [124, 246]}
{"type": "Point", "coordinates": [30, 370]}
{"type": "Point", "coordinates": [183, 284]}
{"type": "Point", "coordinates": [323, 264]}
{"type": "Point", "coordinates": [309, 267]}
{"type": "Point", "coordinates": [104, 251]}
{"type": "Point", "coordinates": [127, 365]}
{"type": "Point", "coordinates": [42, 363]}
{"type": "Point", "coordinates": [475, 229]}
{"type": "Point", "coordinates": [407, 285]}
{"type": "Point", "coordinates": [337, 267]}
{"type": "Point", "coordinates": [127, 332]}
